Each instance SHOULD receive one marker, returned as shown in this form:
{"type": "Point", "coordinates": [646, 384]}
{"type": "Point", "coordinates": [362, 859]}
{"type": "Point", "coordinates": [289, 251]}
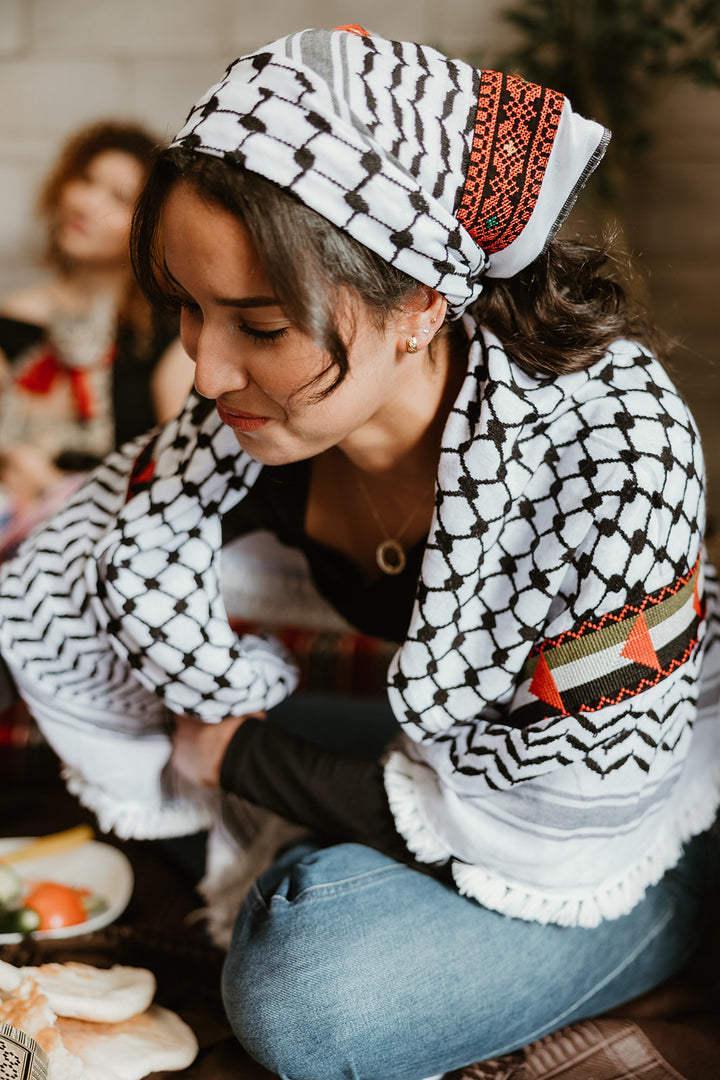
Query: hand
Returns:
{"type": "Point", "coordinates": [199, 748]}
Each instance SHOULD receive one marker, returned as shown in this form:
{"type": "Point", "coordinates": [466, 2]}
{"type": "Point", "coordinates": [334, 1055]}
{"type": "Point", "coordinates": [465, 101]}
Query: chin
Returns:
{"type": "Point", "coordinates": [78, 252]}
{"type": "Point", "coordinates": [75, 251]}
{"type": "Point", "coordinates": [272, 453]}
{"type": "Point", "coordinates": [82, 250]}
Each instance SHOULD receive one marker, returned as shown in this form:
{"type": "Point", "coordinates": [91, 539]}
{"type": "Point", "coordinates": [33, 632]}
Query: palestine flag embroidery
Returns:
{"type": "Point", "coordinates": [620, 655]}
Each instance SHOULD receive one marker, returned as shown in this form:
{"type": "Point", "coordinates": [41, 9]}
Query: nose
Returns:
{"type": "Point", "coordinates": [219, 368]}
{"type": "Point", "coordinates": [90, 197]}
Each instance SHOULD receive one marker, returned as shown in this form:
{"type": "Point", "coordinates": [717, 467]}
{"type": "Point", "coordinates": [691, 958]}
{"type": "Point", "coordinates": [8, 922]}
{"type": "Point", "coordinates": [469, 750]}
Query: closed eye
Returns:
{"type": "Point", "coordinates": [265, 337]}
{"type": "Point", "coordinates": [269, 337]}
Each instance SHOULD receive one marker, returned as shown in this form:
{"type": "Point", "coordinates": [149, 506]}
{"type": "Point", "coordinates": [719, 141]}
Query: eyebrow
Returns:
{"type": "Point", "coordinates": [248, 301]}
{"type": "Point", "coordinates": [223, 301]}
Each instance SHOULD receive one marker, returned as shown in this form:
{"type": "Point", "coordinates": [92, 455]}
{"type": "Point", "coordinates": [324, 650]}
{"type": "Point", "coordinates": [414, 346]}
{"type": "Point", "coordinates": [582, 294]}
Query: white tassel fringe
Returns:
{"type": "Point", "coordinates": [400, 787]}
{"type": "Point", "coordinates": [141, 821]}
{"type": "Point", "coordinates": [607, 901]}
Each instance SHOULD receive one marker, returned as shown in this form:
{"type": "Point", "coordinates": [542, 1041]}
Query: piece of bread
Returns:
{"type": "Point", "coordinates": [27, 1009]}
{"type": "Point", "coordinates": [152, 1041]}
{"type": "Point", "coordinates": [103, 995]}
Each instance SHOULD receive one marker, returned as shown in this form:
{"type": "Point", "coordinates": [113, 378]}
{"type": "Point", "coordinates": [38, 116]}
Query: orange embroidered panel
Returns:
{"type": "Point", "coordinates": [515, 128]}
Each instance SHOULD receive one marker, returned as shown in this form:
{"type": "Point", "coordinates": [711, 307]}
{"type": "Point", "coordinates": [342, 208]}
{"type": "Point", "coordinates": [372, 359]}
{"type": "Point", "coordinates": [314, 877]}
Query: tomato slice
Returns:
{"type": "Point", "coordinates": [57, 905]}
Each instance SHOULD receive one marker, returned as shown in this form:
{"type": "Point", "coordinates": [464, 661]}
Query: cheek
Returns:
{"type": "Point", "coordinates": [71, 198]}
{"type": "Point", "coordinates": [189, 333]}
{"type": "Point", "coordinates": [117, 229]}
{"type": "Point", "coordinates": [76, 187]}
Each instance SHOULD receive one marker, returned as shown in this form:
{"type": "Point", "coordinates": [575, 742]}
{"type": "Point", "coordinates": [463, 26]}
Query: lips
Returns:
{"type": "Point", "coordinates": [75, 223]}
{"type": "Point", "coordinates": [241, 421]}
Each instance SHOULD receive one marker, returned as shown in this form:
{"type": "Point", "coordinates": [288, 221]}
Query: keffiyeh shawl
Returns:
{"type": "Point", "coordinates": [559, 741]}
{"type": "Point", "coordinates": [558, 686]}
{"type": "Point", "coordinates": [112, 619]}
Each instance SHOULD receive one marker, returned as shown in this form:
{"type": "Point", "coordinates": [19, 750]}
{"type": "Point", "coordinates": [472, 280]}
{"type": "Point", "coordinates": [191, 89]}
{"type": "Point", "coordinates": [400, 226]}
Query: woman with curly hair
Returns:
{"type": "Point", "coordinates": [84, 360]}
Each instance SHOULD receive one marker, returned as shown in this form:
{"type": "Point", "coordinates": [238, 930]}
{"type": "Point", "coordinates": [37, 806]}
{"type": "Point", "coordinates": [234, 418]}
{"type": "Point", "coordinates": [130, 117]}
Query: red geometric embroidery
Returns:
{"type": "Point", "coordinates": [587, 656]}
{"type": "Point", "coordinates": [543, 686]}
{"type": "Point", "coordinates": [503, 179]}
{"type": "Point", "coordinates": [354, 29]}
{"type": "Point", "coordinates": [143, 470]}
{"type": "Point", "coordinates": [40, 376]}
{"type": "Point", "coordinates": [146, 475]}
{"type": "Point", "coordinates": [611, 617]}
{"type": "Point", "coordinates": [639, 646]}
{"type": "Point", "coordinates": [697, 602]}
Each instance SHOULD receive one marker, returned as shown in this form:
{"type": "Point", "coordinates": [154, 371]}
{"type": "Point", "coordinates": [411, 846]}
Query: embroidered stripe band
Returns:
{"type": "Point", "coordinates": [622, 654]}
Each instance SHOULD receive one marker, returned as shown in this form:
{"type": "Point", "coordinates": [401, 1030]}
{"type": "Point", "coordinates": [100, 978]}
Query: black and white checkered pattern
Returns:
{"type": "Point", "coordinates": [112, 616]}
{"type": "Point", "coordinates": [557, 502]}
{"type": "Point", "coordinates": [376, 136]}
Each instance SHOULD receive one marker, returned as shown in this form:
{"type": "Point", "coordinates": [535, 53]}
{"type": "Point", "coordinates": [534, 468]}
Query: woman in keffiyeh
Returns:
{"type": "Point", "coordinates": [454, 415]}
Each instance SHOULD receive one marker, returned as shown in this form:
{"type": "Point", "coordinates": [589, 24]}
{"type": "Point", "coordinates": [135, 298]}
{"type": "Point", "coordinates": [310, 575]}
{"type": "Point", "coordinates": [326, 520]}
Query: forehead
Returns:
{"type": "Point", "coordinates": [118, 168]}
{"type": "Point", "coordinates": [207, 245]}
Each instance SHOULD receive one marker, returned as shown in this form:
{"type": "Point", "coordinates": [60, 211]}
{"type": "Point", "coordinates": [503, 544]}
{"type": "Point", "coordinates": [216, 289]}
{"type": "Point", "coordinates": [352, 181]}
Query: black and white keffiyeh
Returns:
{"type": "Point", "coordinates": [112, 619]}
{"type": "Point", "coordinates": [559, 742]}
{"type": "Point", "coordinates": [558, 686]}
{"type": "Point", "coordinates": [448, 173]}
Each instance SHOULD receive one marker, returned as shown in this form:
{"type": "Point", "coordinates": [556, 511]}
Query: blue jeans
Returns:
{"type": "Point", "coordinates": [346, 964]}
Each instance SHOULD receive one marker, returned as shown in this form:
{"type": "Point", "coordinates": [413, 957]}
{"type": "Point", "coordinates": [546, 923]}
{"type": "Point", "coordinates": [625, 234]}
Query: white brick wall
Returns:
{"type": "Point", "coordinates": [13, 27]}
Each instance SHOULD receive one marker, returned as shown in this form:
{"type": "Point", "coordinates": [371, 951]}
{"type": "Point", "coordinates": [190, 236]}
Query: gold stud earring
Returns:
{"type": "Point", "coordinates": [411, 345]}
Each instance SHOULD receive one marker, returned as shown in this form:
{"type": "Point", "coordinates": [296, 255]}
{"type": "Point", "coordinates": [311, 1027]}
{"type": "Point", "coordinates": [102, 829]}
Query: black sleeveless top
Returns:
{"type": "Point", "coordinates": [277, 503]}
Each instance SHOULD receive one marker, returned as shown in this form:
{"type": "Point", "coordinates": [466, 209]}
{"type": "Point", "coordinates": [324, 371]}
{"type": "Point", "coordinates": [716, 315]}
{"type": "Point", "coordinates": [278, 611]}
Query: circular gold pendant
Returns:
{"type": "Point", "coordinates": [390, 557]}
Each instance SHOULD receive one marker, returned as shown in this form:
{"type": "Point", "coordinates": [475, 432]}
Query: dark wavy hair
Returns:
{"type": "Point", "coordinates": [561, 313]}
{"type": "Point", "coordinates": [558, 315]}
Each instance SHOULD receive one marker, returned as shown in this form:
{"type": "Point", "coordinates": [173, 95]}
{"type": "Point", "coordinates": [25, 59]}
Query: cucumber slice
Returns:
{"type": "Point", "coordinates": [18, 920]}
{"type": "Point", "coordinates": [94, 904]}
{"type": "Point", "coordinates": [10, 884]}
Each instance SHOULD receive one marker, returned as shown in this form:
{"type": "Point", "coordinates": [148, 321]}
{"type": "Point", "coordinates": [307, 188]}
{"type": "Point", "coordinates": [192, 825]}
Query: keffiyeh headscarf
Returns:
{"type": "Point", "coordinates": [447, 172]}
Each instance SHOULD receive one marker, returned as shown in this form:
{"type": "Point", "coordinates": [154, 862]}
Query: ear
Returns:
{"type": "Point", "coordinates": [420, 320]}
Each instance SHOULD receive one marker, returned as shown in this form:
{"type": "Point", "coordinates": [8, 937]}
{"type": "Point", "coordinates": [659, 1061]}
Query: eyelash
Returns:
{"type": "Point", "coordinates": [266, 337]}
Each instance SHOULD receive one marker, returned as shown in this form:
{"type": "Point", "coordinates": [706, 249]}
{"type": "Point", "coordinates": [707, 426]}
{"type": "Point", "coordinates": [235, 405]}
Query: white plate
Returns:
{"type": "Point", "coordinates": [101, 868]}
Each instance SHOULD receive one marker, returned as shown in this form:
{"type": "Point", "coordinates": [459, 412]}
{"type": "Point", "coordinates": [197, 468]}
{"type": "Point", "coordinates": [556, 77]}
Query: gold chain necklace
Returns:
{"type": "Point", "coordinates": [389, 554]}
